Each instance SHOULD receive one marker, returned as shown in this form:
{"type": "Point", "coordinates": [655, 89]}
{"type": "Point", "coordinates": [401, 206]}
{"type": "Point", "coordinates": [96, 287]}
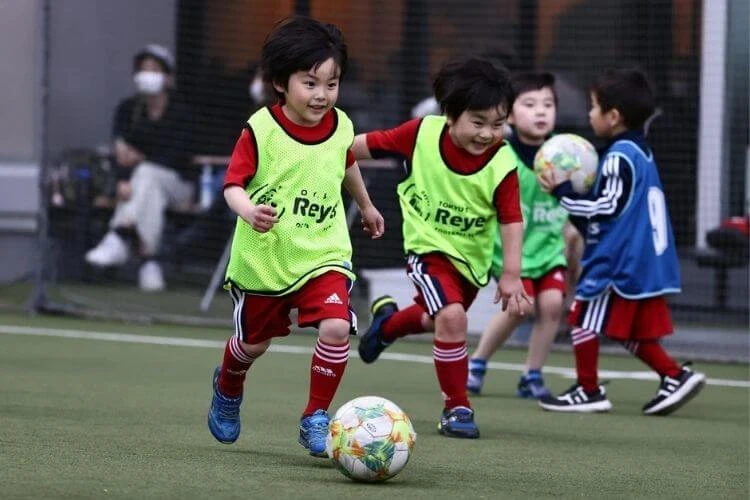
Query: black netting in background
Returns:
{"type": "Point", "coordinates": [394, 48]}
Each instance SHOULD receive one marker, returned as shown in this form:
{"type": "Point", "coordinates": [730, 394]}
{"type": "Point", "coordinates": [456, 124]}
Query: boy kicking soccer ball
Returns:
{"type": "Point", "coordinates": [291, 246]}
{"type": "Point", "coordinates": [460, 181]}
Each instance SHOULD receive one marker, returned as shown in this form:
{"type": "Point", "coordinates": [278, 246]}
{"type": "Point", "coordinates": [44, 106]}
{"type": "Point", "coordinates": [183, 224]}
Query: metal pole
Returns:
{"type": "Point", "coordinates": [38, 297]}
{"type": "Point", "coordinates": [221, 265]}
{"type": "Point", "coordinates": [712, 147]}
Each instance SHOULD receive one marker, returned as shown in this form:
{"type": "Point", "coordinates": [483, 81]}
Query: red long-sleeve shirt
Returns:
{"type": "Point", "coordinates": [244, 162]}
{"type": "Point", "coordinates": [400, 142]}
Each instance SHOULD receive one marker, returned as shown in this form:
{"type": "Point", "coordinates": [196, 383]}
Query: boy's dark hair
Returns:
{"type": "Point", "coordinates": [473, 84]}
{"type": "Point", "coordinates": [629, 92]}
{"type": "Point", "coordinates": [300, 44]}
{"type": "Point", "coordinates": [528, 82]}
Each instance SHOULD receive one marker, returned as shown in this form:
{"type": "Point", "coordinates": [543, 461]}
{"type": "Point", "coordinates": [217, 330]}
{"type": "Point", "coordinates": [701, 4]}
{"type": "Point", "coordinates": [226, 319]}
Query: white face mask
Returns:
{"type": "Point", "coordinates": [149, 82]}
{"type": "Point", "coordinates": [256, 91]}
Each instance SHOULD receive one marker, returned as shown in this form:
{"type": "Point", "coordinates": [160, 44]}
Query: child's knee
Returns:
{"type": "Point", "coordinates": [334, 330]}
{"type": "Point", "coordinates": [255, 350]}
{"type": "Point", "coordinates": [451, 323]}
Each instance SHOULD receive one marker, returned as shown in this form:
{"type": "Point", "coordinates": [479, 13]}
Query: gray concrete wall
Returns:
{"type": "Point", "coordinates": [19, 52]}
{"type": "Point", "coordinates": [92, 43]}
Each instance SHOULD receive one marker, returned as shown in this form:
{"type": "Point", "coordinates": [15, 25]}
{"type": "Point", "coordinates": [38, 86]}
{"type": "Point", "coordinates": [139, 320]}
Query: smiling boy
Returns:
{"type": "Point", "coordinates": [459, 182]}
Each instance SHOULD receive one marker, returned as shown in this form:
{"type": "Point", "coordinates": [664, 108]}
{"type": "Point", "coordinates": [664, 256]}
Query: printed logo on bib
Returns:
{"type": "Point", "coordinates": [419, 201]}
{"type": "Point", "coordinates": [543, 213]}
{"type": "Point", "coordinates": [265, 196]}
{"type": "Point", "coordinates": [313, 208]}
{"type": "Point", "coordinates": [456, 219]}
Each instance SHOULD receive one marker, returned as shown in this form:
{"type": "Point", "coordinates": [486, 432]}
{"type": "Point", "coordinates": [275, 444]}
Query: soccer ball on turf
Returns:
{"type": "Point", "coordinates": [370, 439]}
{"type": "Point", "coordinates": [572, 157]}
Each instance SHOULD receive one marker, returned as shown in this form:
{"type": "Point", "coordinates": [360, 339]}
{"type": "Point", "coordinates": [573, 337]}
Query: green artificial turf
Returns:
{"type": "Point", "coordinates": [84, 418]}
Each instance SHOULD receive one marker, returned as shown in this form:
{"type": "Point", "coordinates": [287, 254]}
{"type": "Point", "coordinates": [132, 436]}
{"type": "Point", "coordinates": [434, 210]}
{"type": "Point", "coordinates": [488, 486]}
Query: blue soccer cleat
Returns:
{"type": "Point", "coordinates": [313, 430]}
{"type": "Point", "coordinates": [477, 371]}
{"type": "Point", "coordinates": [224, 414]}
{"type": "Point", "coordinates": [458, 422]}
{"type": "Point", "coordinates": [372, 344]}
{"type": "Point", "coordinates": [531, 386]}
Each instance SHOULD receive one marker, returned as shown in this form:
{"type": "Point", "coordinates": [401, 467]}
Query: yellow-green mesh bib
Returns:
{"type": "Point", "coordinates": [303, 182]}
{"type": "Point", "coordinates": [448, 212]}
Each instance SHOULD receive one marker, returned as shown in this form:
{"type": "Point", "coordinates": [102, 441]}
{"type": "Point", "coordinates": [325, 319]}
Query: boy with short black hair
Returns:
{"type": "Point", "coordinates": [459, 182]}
{"type": "Point", "coordinates": [532, 118]}
{"type": "Point", "coordinates": [630, 261]}
{"type": "Point", "coordinates": [291, 246]}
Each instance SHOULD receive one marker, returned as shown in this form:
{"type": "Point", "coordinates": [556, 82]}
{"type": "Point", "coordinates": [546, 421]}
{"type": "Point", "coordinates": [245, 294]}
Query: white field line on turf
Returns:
{"type": "Point", "coordinates": [393, 356]}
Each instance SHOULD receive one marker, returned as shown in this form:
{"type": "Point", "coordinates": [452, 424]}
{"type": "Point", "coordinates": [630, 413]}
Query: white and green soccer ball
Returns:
{"type": "Point", "coordinates": [370, 439]}
{"type": "Point", "coordinates": [571, 157]}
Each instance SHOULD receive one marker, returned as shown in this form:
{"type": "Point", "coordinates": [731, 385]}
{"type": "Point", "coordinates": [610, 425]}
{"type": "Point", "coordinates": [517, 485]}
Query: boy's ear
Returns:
{"type": "Point", "coordinates": [510, 120]}
{"type": "Point", "coordinates": [279, 88]}
{"type": "Point", "coordinates": [614, 117]}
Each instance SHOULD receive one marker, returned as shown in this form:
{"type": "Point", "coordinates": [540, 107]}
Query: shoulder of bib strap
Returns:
{"type": "Point", "coordinates": [343, 123]}
{"type": "Point", "coordinates": [260, 117]}
{"type": "Point", "coordinates": [631, 149]}
{"type": "Point", "coordinates": [505, 159]}
{"type": "Point", "coordinates": [432, 124]}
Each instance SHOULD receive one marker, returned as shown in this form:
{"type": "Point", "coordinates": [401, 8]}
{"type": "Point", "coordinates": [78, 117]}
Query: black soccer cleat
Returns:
{"type": "Point", "coordinates": [675, 392]}
{"type": "Point", "coordinates": [372, 344]}
{"type": "Point", "coordinates": [576, 400]}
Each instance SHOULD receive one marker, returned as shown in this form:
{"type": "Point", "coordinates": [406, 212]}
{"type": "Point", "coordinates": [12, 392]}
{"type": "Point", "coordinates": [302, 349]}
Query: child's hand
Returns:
{"type": "Point", "coordinates": [261, 218]}
{"type": "Point", "coordinates": [372, 222]}
{"type": "Point", "coordinates": [547, 180]}
{"type": "Point", "coordinates": [510, 291]}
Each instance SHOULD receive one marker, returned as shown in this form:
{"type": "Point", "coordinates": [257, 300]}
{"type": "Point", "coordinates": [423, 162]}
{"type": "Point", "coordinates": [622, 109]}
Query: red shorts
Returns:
{"type": "Point", "coordinates": [553, 280]}
{"type": "Point", "coordinates": [259, 317]}
{"type": "Point", "coordinates": [623, 319]}
{"type": "Point", "coordinates": [438, 283]}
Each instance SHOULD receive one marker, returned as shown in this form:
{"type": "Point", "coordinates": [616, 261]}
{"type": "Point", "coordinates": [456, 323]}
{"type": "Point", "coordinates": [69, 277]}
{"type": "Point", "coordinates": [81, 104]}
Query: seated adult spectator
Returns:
{"type": "Point", "coordinates": [152, 139]}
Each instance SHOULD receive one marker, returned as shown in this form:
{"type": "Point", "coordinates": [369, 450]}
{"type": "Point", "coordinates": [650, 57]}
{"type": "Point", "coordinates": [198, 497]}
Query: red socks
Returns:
{"type": "Point", "coordinates": [326, 369]}
{"type": "Point", "coordinates": [654, 355]}
{"type": "Point", "coordinates": [233, 369]}
{"type": "Point", "coordinates": [403, 323]}
{"type": "Point", "coordinates": [586, 350]}
{"type": "Point", "coordinates": [452, 367]}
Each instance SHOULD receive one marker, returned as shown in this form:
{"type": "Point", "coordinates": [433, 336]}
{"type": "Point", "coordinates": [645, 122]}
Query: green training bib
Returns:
{"type": "Point", "coordinates": [448, 212]}
{"type": "Point", "coordinates": [303, 182]}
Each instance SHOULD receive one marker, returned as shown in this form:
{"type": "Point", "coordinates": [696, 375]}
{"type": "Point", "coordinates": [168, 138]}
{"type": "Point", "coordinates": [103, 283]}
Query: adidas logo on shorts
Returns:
{"type": "Point", "coordinates": [333, 299]}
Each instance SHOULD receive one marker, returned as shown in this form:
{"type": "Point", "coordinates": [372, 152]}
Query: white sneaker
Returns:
{"type": "Point", "coordinates": [111, 251]}
{"type": "Point", "coordinates": [150, 277]}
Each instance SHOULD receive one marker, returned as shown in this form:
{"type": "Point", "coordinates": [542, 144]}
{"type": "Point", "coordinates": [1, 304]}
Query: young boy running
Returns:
{"type": "Point", "coordinates": [291, 246]}
{"type": "Point", "coordinates": [532, 117]}
{"type": "Point", "coordinates": [630, 262]}
{"type": "Point", "coordinates": [459, 182]}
